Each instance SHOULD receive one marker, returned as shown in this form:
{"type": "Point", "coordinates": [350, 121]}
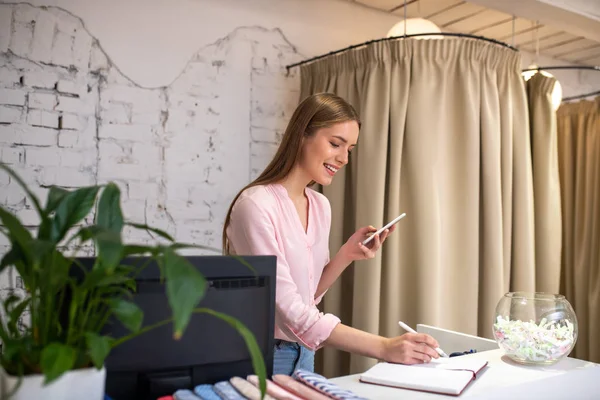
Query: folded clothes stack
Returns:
{"type": "Point", "coordinates": [303, 385]}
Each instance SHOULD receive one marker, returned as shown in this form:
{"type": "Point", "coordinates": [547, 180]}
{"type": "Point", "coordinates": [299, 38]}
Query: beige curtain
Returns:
{"type": "Point", "coordinates": [579, 166]}
{"type": "Point", "coordinates": [445, 139]}
{"type": "Point", "coordinates": [546, 183]}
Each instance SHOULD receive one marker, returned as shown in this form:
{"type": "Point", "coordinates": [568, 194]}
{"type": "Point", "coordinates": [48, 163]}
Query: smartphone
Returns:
{"type": "Point", "coordinates": [398, 218]}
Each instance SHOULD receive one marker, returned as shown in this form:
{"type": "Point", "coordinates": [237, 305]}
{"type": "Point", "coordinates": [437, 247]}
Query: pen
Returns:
{"type": "Point", "coordinates": [411, 330]}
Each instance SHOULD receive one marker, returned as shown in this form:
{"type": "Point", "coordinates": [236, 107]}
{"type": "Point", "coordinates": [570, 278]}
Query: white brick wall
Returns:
{"type": "Point", "coordinates": [44, 101]}
{"type": "Point", "coordinates": [42, 118]}
{"type": "Point", "coordinates": [69, 117]}
{"type": "Point", "coordinates": [40, 79]}
{"type": "Point", "coordinates": [9, 77]}
{"type": "Point", "coordinates": [9, 115]}
{"type": "Point", "coordinates": [13, 97]}
{"type": "Point", "coordinates": [179, 152]}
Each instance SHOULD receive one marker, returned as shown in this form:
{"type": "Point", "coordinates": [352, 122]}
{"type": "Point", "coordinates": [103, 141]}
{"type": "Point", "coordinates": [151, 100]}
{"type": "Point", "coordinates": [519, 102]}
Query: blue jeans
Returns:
{"type": "Point", "coordinates": [290, 356]}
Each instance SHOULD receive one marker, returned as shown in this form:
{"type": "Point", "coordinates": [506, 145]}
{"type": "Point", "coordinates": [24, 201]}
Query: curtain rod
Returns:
{"type": "Point", "coordinates": [585, 67]}
{"type": "Point", "coordinates": [582, 96]}
{"type": "Point", "coordinates": [288, 67]}
{"type": "Point", "coordinates": [575, 67]}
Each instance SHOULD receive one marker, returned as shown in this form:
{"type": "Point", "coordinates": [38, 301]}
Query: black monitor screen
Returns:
{"type": "Point", "coordinates": [154, 364]}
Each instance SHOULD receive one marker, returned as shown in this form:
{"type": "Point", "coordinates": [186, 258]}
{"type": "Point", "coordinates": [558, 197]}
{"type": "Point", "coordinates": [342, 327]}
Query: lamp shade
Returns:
{"type": "Point", "coordinates": [556, 91]}
{"type": "Point", "coordinates": [414, 26]}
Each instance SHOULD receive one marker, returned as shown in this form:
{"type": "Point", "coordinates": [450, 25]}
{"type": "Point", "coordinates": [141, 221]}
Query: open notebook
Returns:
{"type": "Point", "coordinates": [444, 375]}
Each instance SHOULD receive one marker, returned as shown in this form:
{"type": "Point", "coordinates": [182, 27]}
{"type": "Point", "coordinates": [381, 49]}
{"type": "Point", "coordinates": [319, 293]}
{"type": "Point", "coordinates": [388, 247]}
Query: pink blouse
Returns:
{"type": "Point", "coordinates": [264, 221]}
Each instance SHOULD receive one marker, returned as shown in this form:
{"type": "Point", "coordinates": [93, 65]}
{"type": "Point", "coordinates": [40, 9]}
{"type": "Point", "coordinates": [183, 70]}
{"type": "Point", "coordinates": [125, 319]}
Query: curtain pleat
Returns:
{"type": "Point", "coordinates": [578, 127]}
{"type": "Point", "coordinates": [546, 184]}
{"type": "Point", "coordinates": [445, 138]}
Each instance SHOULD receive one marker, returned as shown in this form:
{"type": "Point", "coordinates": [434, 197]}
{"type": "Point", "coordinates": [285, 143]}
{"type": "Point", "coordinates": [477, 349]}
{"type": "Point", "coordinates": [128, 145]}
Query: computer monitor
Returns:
{"type": "Point", "coordinates": [154, 364]}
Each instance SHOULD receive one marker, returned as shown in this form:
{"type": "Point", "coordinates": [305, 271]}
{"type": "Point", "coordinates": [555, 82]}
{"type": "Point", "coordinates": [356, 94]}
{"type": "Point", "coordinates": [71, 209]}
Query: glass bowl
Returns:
{"type": "Point", "coordinates": [535, 328]}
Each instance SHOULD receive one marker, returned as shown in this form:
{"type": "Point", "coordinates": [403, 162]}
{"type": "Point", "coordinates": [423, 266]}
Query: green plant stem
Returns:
{"type": "Point", "coordinates": [32, 367]}
{"type": "Point", "coordinates": [143, 330]}
{"type": "Point", "coordinates": [81, 315]}
{"type": "Point", "coordinates": [41, 331]}
{"type": "Point", "coordinates": [201, 310]}
{"type": "Point", "coordinates": [103, 320]}
{"type": "Point", "coordinates": [33, 304]}
{"type": "Point", "coordinates": [144, 266]}
{"type": "Point", "coordinates": [72, 315]}
{"type": "Point", "coordinates": [89, 307]}
{"type": "Point", "coordinates": [44, 336]}
{"type": "Point", "coordinates": [61, 300]}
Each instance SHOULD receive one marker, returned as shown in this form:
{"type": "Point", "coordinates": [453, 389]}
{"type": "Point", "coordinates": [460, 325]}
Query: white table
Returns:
{"type": "Point", "coordinates": [570, 379]}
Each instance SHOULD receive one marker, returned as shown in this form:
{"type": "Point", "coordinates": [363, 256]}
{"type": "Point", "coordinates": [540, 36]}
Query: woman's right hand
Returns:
{"type": "Point", "coordinates": [410, 348]}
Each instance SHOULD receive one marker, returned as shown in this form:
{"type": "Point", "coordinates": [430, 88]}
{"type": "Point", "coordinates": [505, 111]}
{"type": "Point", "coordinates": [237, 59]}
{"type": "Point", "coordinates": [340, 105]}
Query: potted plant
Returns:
{"type": "Point", "coordinates": [47, 358]}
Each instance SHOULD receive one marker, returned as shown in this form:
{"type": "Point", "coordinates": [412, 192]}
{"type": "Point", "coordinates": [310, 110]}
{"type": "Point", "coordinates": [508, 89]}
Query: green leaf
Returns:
{"type": "Point", "coordinates": [19, 235]}
{"type": "Point", "coordinates": [118, 280]}
{"type": "Point", "coordinates": [15, 314]}
{"type": "Point", "coordinates": [109, 214]}
{"type": "Point", "coordinates": [11, 347]}
{"type": "Point", "coordinates": [10, 258]}
{"type": "Point", "coordinates": [104, 277]}
{"type": "Point", "coordinates": [185, 288]}
{"type": "Point", "coordinates": [159, 232]}
{"type": "Point", "coordinates": [72, 209]}
{"type": "Point", "coordinates": [128, 313]}
{"type": "Point", "coordinates": [15, 257]}
{"type": "Point", "coordinates": [244, 262]}
{"type": "Point", "coordinates": [7, 303]}
{"type": "Point", "coordinates": [121, 276]}
{"type": "Point", "coordinates": [55, 196]}
{"type": "Point", "coordinates": [177, 246]}
{"type": "Point", "coordinates": [92, 278]}
{"type": "Point", "coordinates": [99, 347]}
{"type": "Point", "coordinates": [117, 291]}
{"type": "Point", "coordinates": [258, 363]}
{"type": "Point", "coordinates": [32, 197]}
{"type": "Point", "coordinates": [138, 249]}
{"type": "Point", "coordinates": [110, 247]}
{"type": "Point", "coordinates": [59, 272]}
{"type": "Point", "coordinates": [40, 249]}
{"type": "Point", "coordinates": [56, 359]}
{"type": "Point", "coordinates": [88, 233]}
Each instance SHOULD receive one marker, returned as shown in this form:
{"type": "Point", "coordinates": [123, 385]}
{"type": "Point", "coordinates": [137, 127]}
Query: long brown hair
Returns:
{"type": "Point", "coordinates": [315, 112]}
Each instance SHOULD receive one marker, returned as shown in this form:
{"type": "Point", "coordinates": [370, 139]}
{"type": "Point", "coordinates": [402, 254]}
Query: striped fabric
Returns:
{"type": "Point", "coordinates": [298, 388]}
{"type": "Point", "coordinates": [206, 392]}
{"type": "Point", "coordinates": [247, 389]}
{"type": "Point", "coordinates": [274, 389]}
{"type": "Point", "coordinates": [184, 394]}
{"type": "Point", "coordinates": [324, 386]}
{"type": "Point", "coordinates": [226, 391]}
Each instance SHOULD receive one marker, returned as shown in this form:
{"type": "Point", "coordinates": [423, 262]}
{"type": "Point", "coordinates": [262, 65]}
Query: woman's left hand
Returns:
{"type": "Point", "coordinates": [354, 250]}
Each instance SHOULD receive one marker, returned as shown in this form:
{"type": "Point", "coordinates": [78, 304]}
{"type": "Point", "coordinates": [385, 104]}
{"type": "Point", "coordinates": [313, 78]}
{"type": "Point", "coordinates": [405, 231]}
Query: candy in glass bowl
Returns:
{"type": "Point", "coordinates": [535, 328]}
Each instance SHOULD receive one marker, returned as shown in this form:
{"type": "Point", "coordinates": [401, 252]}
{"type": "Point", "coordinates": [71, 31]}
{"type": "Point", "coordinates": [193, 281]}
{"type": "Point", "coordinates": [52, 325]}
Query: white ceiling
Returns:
{"type": "Point", "coordinates": [588, 8]}
{"type": "Point", "coordinates": [567, 30]}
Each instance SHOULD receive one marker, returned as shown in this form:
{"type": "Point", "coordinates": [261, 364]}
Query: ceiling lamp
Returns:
{"type": "Point", "coordinates": [556, 91]}
{"type": "Point", "coordinates": [413, 26]}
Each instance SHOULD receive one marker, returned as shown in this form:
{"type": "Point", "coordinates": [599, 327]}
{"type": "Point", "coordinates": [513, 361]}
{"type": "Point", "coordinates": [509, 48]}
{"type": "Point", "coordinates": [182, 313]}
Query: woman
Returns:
{"type": "Point", "coordinates": [278, 214]}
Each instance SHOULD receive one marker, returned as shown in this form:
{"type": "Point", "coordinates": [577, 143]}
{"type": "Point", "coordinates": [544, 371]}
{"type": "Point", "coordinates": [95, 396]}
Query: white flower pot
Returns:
{"type": "Point", "coordinates": [87, 384]}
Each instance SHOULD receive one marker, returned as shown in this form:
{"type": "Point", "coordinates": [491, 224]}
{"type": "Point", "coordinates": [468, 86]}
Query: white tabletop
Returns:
{"type": "Point", "coordinates": [502, 375]}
